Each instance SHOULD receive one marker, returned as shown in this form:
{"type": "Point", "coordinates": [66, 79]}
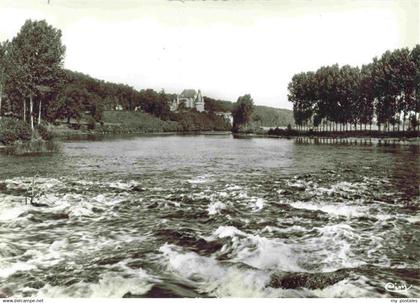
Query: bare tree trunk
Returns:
{"type": "Point", "coordinates": [39, 112]}
{"type": "Point", "coordinates": [418, 124]}
{"type": "Point", "coordinates": [24, 109]}
{"type": "Point", "coordinates": [1, 94]}
{"type": "Point", "coordinates": [403, 123]}
{"type": "Point", "coordinates": [31, 107]}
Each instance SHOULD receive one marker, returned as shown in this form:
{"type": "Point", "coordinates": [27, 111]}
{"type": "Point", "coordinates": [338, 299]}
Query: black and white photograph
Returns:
{"type": "Point", "coordinates": [209, 149]}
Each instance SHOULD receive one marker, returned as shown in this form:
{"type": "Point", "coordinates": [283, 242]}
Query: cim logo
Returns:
{"type": "Point", "coordinates": [395, 287]}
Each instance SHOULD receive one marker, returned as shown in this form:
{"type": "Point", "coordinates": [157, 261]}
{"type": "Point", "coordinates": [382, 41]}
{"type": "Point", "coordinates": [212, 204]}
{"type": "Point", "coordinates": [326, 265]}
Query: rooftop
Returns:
{"type": "Point", "coordinates": [188, 93]}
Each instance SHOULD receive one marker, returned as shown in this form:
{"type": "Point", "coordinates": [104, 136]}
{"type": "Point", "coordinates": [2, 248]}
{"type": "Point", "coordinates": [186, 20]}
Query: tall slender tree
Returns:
{"type": "Point", "coordinates": [366, 97]}
{"type": "Point", "coordinates": [3, 58]}
{"type": "Point", "coordinates": [302, 93]}
{"type": "Point", "coordinates": [36, 56]}
{"type": "Point", "coordinates": [414, 107]}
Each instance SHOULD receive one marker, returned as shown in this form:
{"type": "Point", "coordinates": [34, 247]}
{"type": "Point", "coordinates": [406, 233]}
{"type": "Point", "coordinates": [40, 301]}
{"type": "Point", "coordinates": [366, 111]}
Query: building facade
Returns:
{"type": "Point", "coordinates": [189, 98]}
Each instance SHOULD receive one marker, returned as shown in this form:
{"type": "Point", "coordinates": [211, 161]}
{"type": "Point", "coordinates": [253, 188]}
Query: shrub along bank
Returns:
{"type": "Point", "coordinates": [18, 138]}
{"type": "Point", "coordinates": [12, 130]}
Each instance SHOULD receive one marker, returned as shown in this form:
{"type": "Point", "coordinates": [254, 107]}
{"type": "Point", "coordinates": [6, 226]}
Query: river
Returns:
{"type": "Point", "coordinates": [211, 216]}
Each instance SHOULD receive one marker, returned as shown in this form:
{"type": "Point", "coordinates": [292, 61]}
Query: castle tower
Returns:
{"type": "Point", "coordinates": [199, 102]}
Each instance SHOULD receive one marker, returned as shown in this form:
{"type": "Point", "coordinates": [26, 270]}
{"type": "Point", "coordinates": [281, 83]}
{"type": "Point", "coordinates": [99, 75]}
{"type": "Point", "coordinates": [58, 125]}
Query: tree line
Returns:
{"type": "Point", "coordinates": [384, 92]}
{"type": "Point", "coordinates": [82, 93]}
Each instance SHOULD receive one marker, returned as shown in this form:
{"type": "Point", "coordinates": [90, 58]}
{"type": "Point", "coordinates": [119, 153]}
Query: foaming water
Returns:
{"type": "Point", "coordinates": [240, 218]}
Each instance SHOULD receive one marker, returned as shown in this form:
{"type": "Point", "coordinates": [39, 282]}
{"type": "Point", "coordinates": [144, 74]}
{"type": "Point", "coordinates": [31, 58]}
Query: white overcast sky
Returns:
{"type": "Point", "coordinates": [224, 48]}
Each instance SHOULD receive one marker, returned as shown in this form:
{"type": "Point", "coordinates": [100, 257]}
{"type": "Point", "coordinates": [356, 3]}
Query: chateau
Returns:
{"type": "Point", "coordinates": [190, 99]}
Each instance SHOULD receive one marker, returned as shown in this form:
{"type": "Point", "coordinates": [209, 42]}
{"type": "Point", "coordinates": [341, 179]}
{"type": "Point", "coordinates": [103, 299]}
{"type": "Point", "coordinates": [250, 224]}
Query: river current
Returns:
{"type": "Point", "coordinates": [211, 216]}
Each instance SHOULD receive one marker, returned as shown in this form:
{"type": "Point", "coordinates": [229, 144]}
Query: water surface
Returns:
{"type": "Point", "coordinates": [206, 216]}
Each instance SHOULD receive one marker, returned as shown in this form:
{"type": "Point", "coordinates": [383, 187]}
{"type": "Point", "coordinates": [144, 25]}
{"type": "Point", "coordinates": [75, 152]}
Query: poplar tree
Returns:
{"type": "Point", "coordinates": [35, 64]}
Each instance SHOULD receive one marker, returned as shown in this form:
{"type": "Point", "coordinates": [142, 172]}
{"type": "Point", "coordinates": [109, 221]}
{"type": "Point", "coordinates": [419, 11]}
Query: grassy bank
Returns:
{"type": "Point", "coordinates": [136, 122]}
{"type": "Point", "coordinates": [115, 122]}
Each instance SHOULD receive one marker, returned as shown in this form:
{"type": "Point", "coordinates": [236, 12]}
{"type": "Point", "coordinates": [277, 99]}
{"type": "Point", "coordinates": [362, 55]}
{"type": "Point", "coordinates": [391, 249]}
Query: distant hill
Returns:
{"type": "Point", "coordinates": [269, 116]}
{"type": "Point", "coordinates": [214, 105]}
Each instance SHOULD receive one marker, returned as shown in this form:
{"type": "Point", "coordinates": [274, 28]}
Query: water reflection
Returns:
{"type": "Point", "coordinates": [357, 141]}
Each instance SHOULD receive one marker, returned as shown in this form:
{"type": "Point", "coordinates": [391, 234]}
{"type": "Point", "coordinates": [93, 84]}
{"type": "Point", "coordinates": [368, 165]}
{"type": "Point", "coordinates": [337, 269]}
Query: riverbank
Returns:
{"type": "Point", "coordinates": [137, 122]}
{"type": "Point", "coordinates": [70, 136]}
{"type": "Point", "coordinates": [17, 138]}
{"type": "Point", "coordinates": [291, 133]}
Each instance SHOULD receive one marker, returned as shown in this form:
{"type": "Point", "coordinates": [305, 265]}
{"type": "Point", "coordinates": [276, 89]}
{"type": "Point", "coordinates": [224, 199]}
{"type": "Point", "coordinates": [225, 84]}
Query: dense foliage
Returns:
{"type": "Point", "coordinates": [196, 121]}
{"type": "Point", "coordinates": [242, 111]}
{"type": "Point", "coordinates": [12, 130]}
{"type": "Point", "coordinates": [385, 91]}
{"type": "Point", "coordinates": [82, 93]}
{"type": "Point", "coordinates": [33, 63]}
